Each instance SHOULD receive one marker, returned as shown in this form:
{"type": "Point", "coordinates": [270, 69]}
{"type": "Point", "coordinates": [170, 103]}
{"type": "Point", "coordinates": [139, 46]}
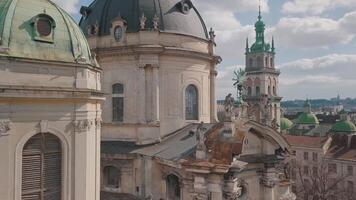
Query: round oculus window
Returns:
{"type": "Point", "coordinates": [118, 32]}
{"type": "Point", "coordinates": [44, 27]}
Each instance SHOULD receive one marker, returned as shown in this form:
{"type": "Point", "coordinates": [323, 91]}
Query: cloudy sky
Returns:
{"type": "Point", "coordinates": [315, 41]}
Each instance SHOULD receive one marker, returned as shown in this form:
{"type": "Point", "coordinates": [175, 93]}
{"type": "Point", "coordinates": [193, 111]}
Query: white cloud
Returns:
{"type": "Point", "coordinates": [315, 32]}
{"type": "Point", "coordinates": [317, 77]}
{"type": "Point", "coordinates": [234, 6]}
{"type": "Point", "coordinates": [70, 6]}
{"type": "Point", "coordinates": [322, 76]}
{"type": "Point", "coordinates": [314, 7]}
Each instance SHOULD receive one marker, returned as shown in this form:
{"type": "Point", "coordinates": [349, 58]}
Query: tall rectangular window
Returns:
{"type": "Point", "coordinates": [332, 168]}
{"type": "Point", "coordinates": [350, 170]}
{"type": "Point", "coordinates": [315, 157]}
{"type": "Point", "coordinates": [306, 156]}
{"type": "Point", "coordinates": [306, 170]}
{"type": "Point", "coordinates": [118, 102]}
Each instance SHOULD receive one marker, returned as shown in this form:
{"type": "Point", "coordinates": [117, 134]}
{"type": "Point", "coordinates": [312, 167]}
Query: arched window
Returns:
{"type": "Point", "coordinates": [266, 61]}
{"type": "Point", "coordinates": [42, 168]}
{"type": "Point", "coordinates": [269, 90]}
{"type": "Point", "coordinates": [249, 91]}
{"type": "Point", "coordinates": [258, 91]}
{"type": "Point", "coordinates": [275, 86]}
{"type": "Point", "coordinates": [118, 102]}
{"type": "Point", "coordinates": [271, 62]}
{"type": "Point", "coordinates": [251, 62]}
{"type": "Point", "coordinates": [269, 85]}
{"type": "Point", "coordinates": [191, 103]}
{"type": "Point", "coordinates": [111, 177]}
{"type": "Point", "coordinates": [173, 187]}
{"type": "Point", "coordinates": [259, 61]}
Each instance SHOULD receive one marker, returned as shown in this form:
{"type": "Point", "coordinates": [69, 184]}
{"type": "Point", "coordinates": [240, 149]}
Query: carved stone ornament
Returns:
{"type": "Point", "coordinates": [288, 196]}
{"type": "Point", "coordinates": [155, 22]}
{"type": "Point", "coordinates": [267, 182]}
{"type": "Point", "coordinates": [143, 20]}
{"type": "Point", "coordinates": [4, 127]}
{"type": "Point", "coordinates": [83, 125]}
{"type": "Point", "coordinates": [98, 121]}
{"type": "Point", "coordinates": [44, 126]}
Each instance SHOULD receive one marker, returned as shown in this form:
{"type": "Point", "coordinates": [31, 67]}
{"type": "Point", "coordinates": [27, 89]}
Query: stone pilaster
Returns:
{"type": "Point", "coordinates": [141, 94]}
{"type": "Point", "coordinates": [213, 74]}
{"type": "Point", "coordinates": [155, 94]}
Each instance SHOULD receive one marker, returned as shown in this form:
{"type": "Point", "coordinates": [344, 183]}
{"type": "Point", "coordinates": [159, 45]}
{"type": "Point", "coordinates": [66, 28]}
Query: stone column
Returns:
{"type": "Point", "coordinates": [155, 94]}
{"type": "Point", "coordinates": [212, 76]}
{"type": "Point", "coordinates": [141, 94]}
{"type": "Point", "coordinates": [86, 154]}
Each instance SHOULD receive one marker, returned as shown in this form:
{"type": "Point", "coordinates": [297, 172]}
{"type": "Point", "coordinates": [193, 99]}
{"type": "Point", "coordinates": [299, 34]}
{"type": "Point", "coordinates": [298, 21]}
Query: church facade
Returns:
{"type": "Point", "coordinates": [160, 135]}
{"type": "Point", "coordinates": [123, 107]}
{"type": "Point", "coordinates": [50, 102]}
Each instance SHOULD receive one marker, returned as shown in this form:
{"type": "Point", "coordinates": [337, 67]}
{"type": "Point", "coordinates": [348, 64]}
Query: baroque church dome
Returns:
{"type": "Point", "coordinates": [343, 127]}
{"type": "Point", "coordinates": [286, 124]}
{"type": "Point", "coordinates": [40, 30]}
{"type": "Point", "coordinates": [177, 16]}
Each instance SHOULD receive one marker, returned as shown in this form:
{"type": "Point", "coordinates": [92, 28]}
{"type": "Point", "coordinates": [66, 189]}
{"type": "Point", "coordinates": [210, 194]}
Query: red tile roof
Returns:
{"type": "Point", "coordinates": [305, 141]}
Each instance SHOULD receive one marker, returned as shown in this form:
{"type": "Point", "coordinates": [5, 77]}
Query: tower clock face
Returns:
{"type": "Point", "coordinates": [118, 32]}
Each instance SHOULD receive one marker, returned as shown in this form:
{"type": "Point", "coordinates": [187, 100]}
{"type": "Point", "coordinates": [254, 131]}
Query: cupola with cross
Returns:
{"type": "Point", "coordinates": [262, 77]}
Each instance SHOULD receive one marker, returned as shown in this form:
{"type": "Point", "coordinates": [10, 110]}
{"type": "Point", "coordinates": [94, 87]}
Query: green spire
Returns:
{"type": "Point", "coordinates": [247, 46]}
{"type": "Point", "coordinates": [260, 45]}
{"type": "Point", "coordinates": [273, 48]}
{"type": "Point", "coordinates": [259, 13]}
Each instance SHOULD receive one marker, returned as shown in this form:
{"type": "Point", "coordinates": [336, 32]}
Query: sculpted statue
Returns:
{"type": "Point", "coordinates": [229, 106]}
{"type": "Point", "coordinates": [275, 125]}
{"type": "Point", "coordinates": [143, 20]}
{"type": "Point", "coordinates": [265, 108]}
{"type": "Point", "coordinates": [155, 22]}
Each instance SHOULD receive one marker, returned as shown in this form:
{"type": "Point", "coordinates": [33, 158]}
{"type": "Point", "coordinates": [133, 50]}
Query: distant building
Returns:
{"type": "Point", "coordinates": [316, 144]}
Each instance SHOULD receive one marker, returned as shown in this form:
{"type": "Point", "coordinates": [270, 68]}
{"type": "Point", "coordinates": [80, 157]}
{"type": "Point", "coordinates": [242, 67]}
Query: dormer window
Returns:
{"type": "Point", "coordinates": [118, 33]}
{"type": "Point", "coordinates": [184, 6]}
{"type": "Point", "coordinates": [43, 28]}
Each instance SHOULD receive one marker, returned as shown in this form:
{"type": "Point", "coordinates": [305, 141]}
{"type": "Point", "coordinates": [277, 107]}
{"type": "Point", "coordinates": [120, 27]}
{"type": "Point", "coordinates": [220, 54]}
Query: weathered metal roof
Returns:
{"type": "Point", "coordinates": [17, 33]}
{"type": "Point", "coordinates": [173, 18]}
{"type": "Point", "coordinates": [180, 144]}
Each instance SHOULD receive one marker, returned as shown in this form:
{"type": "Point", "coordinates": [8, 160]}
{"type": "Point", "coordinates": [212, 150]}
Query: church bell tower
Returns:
{"type": "Point", "coordinates": [261, 86]}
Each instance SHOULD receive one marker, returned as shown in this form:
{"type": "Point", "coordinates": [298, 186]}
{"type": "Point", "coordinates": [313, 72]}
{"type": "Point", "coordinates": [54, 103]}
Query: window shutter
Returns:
{"type": "Point", "coordinates": [42, 168]}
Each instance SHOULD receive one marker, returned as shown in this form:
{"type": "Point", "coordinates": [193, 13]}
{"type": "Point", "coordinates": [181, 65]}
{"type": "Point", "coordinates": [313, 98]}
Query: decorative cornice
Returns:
{"type": "Point", "coordinates": [156, 49]}
{"type": "Point", "coordinates": [26, 92]}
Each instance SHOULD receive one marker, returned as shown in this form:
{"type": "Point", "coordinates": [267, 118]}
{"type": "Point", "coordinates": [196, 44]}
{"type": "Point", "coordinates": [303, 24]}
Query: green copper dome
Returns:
{"type": "Point", "coordinates": [307, 118]}
{"type": "Point", "coordinates": [177, 16]}
{"type": "Point", "coordinates": [343, 127]}
{"type": "Point", "coordinates": [40, 30]}
{"type": "Point", "coordinates": [286, 124]}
